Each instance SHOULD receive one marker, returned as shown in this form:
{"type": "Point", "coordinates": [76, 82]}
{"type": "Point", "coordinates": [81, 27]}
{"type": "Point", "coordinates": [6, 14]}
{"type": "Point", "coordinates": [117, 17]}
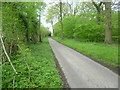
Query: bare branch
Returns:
{"type": "Point", "coordinates": [7, 55]}
{"type": "Point", "coordinates": [94, 4]}
{"type": "Point", "coordinates": [100, 4]}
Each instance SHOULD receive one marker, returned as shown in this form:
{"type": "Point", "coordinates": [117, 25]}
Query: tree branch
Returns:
{"type": "Point", "coordinates": [94, 4]}
{"type": "Point", "coordinates": [7, 55]}
{"type": "Point", "coordinates": [100, 4]}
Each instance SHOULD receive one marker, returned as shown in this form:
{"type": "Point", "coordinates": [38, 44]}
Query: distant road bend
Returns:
{"type": "Point", "coordinates": [81, 71]}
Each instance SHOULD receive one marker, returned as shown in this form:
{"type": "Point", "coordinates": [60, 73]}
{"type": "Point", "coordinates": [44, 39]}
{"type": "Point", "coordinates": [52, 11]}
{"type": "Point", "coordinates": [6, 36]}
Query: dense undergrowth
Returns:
{"type": "Point", "coordinates": [35, 66]}
{"type": "Point", "coordinates": [101, 52]}
{"type": "Point", "coordinates": [83, 29]}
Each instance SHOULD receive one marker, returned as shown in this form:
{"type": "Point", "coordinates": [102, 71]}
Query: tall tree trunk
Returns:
{"type": "Point", "coordinates": [98, 18]}
{"type": "Point", "coordinates": [52, 26]}
{"type": "Point", "coordinates": [11, 46]}
{"type": "Point", "coordinates": [61, 19]}
{"type": "Point", "coordinates": [40, 36]}
{"type": "Point", "coordinates": [108, 32]}
{"type": "Point", "coordinates": [98, 8]}
{"type": "Point", "coordinates": [27, 35]}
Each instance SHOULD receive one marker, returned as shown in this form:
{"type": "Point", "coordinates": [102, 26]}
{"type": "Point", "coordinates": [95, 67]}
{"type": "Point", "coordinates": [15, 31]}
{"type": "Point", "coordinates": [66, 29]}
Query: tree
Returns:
{"type": "Point", "coordinates": [50, 17]}
{"type": "Point", "coordinates": [98, 8]}
{"type": "Point", "coordinates": [61, 19]}
{"type": "Point", "coordinates": [41, 6]}
{"type": "Point", "coordinates": [20, 24]}
{"type": "Point", "coordinates": [108, 32]}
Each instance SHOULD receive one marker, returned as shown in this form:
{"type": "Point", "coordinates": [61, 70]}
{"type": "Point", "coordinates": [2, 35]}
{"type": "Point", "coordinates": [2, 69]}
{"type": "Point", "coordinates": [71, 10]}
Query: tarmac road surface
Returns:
{"type": "Point", "coordinates": [81, 71]}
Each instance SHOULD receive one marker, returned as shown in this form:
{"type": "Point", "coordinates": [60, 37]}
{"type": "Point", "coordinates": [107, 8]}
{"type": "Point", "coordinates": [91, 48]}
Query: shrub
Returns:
{"type": "Point", "coordinates": [89, 32]}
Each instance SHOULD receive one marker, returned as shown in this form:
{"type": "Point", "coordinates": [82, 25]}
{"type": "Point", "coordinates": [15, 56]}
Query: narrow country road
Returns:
{"type": "Point", "coordinates": [81, 71]}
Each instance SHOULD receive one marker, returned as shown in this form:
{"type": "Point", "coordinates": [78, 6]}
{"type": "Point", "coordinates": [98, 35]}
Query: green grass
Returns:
{"type": "Point", "coordinates": [36, 68]}
{"type": "Point", "coordinates": [99, 51]}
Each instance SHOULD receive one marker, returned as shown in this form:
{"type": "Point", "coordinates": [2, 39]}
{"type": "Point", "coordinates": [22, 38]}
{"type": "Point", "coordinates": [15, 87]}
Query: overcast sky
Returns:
{"type": "Point", "coordinates": [43, 18]}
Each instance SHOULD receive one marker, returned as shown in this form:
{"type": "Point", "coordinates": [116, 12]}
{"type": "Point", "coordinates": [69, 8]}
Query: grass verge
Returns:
{"type": "Point", "coordinates": [101, 52]}
{"type": "Point", "coordinates": [35, 66]}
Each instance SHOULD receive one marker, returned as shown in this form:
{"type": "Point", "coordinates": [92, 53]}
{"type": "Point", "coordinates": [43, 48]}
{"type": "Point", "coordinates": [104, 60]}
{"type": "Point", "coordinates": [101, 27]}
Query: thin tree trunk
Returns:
{"type": "Point", "coordinates": [52, 26]}
{"type": "Point", "coordinates": [27, 35]}
{"type": "Point", "coordinates": [14, 80]}
{"type": "Point", "coordinates": [40, 36]}
{"type": "Point", "coordinates": [108, 32]}
{"type": "Point", "coordinates": [98, 18]}
{"type": "Point", "coordinates": [11, 47]}
{"type": "Point", "coordinates": [61, 19]}
{"type": "Point", "coordinates": [7, 55]}
{"type": "Point", "coordinates": [98, 8]}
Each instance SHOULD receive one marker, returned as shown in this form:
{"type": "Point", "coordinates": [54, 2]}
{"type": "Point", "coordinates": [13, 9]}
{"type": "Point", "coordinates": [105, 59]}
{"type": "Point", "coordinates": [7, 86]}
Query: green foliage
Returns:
{"type": "Point", "coordinates": [20, 23]}
{"type": "Point", "coordinates": [68, 26]}
{"type": "Point", "coordinates": [35, 66]}
{"type": "Point", "coordinates": [75, 27]}
{"type": "Point", "coordinates": [99, 51]}
{"type": "Point", "coordinates": [84, 27]}
{"type": "Point", "coordinates": [89, 32]}
{"type": "Point", "coordinates": [12, 28]}
{"type": "Point", "coordinates": [83, 23]}
{"type": "Point", "coordinates": [57, 29]}
{"type": "Point", "coordinates": [34, 63]}
{"type": "Point", "coordinates": [45, 31]}
{"type": "Point", "coordinates": [115, 33]}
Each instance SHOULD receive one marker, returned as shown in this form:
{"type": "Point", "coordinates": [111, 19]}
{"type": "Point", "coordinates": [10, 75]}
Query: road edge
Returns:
{"type": "Point", "coordinates": [115, 70]}
{"type": "Point", "coordinates": [60, 71]}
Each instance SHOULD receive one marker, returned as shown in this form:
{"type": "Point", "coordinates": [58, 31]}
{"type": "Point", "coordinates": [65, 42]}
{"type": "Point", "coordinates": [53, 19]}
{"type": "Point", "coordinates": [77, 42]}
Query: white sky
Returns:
{"type": "Point", "coordinates": [43, 18]}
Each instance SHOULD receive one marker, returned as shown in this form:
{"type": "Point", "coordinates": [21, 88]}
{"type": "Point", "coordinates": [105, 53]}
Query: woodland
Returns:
{"type": "Point", "coordinates": [26, 57]}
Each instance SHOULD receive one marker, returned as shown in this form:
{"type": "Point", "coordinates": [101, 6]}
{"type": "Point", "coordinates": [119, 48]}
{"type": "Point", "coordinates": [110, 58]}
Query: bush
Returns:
{"type": "Point", "coordinates": [68, 26]}
{"type": "Point", "coordinates": [57, 29]}
{"type": "Point", "coordinates": [75, 27]}
{"type": "Point", "coordinates": [89, 32]}
{"type": "Point", "coordinates": [35, 66]}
